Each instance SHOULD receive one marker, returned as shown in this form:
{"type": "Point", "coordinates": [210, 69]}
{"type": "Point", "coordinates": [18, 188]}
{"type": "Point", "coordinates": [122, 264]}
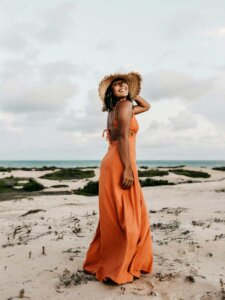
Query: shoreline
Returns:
{"type": "Point", "coordinates": [154, 163]}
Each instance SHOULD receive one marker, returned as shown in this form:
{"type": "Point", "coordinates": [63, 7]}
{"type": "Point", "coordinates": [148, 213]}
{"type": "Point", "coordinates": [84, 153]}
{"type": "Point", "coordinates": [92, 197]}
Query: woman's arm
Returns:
{"type": "Point", "coordinates": [124, 115]}
{"type": "Point", "coordinates": [142, 105]}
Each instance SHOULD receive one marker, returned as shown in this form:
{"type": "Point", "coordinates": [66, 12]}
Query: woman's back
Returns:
{"type": "Point", "coordinates": [112, 124]}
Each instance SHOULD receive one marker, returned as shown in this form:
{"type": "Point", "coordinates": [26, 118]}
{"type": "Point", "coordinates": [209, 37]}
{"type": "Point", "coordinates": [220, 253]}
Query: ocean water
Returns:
{"type": "Point", "coordinates": [91, 163]}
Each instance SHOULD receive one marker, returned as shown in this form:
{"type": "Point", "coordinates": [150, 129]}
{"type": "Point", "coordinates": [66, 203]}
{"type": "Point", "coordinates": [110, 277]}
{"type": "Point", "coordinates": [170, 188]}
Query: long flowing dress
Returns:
{"type": "Point", "coordinates": [121, 248]}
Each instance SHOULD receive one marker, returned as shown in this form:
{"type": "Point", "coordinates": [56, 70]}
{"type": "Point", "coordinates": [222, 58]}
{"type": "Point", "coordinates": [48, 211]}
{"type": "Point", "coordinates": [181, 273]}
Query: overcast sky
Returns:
{"type": "Point", "coordinates": [54, 53]}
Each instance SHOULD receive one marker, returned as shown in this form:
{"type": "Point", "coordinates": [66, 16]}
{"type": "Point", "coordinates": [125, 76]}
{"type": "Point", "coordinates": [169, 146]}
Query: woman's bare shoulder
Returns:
{"type": "Point", "coordinates": [124, 104]}
{"type": "Point", "coordinates": [124, 108]}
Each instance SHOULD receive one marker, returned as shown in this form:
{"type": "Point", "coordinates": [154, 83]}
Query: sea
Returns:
{"type": "Point", "coordinates": [96, 163]}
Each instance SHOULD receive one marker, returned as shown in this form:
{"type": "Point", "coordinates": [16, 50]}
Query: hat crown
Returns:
{"type": "Point", "coordinates": [133, 79]}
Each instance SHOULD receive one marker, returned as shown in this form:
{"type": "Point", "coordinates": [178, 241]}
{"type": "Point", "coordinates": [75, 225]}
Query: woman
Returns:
{"type": "Point", "coordinates": [122, 245]}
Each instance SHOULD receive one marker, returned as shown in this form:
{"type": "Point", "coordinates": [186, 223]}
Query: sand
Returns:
{"type": "Point", "coordinates": [41, 253]}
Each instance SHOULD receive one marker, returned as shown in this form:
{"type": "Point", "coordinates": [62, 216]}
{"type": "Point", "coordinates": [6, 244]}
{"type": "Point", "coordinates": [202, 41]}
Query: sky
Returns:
{"type": "Point", "coordinates": [54, 53]}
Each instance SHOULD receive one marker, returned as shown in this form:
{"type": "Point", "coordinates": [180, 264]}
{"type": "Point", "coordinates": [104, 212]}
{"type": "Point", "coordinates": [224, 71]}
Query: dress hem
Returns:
{"type": "Point", "coordinates": [129, 278]}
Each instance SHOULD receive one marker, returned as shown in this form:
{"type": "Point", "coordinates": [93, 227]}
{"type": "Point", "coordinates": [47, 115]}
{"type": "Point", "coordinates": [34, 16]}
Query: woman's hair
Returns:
{"type": "Point", "coordinates": [110, 100]}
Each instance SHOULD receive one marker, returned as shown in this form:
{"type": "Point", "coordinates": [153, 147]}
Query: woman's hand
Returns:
{"type": "Point", "coordinates": [137, 97]}
{"type": "Point", "coordinates": [128, 178]}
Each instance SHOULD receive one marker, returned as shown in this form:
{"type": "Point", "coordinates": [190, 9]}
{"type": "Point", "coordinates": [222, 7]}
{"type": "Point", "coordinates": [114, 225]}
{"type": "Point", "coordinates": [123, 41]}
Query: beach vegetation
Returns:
{"type": "Point", "coordinates": [190, 173]}
{"type": "Point", "coordinates": [152, 172]}
{"type": "Point", "coordinates": [219, 168]}
{"type": "Point", "coordinates": [33, 185]}
{"type": "Point", "coordinates": [90, 189]}
{"type": "Point", "coordinates": [154, 182]}
{"type": "Point", "coordinates": [68, 174]}
{"type": "Point", "coordinates": [12, 187]}
{"type": "Point", "coordinates": [220, 190]}
{"type": "Point", "coordinates": [179, 166]}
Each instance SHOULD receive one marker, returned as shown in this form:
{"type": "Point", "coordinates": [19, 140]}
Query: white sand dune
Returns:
{"type": "Point", "coordinates": [187, 221]}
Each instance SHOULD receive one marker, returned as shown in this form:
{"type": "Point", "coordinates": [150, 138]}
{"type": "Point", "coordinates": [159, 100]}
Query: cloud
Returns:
{"type": "Point", "coordinates": [26, 87]}
{"type": "Point", "coordinates": [164, 55]}
{"type": "Point", "coordinates": [212, 104]}
{"type": "Point", "coordinates": [13, 41]}
{"type": "Point", "coordinates": [182, 121]}
{"type": "Point", "coordinates": [8, 124]}
{"type": "Point", "coordinates": [39, 27]}
{"type": "Point", "coordinates": [105, 45]}
{"type": "Point", "coordinates": [62, 69]}
{"type": "Point", "coordinates": [55, 21]}
{"type": "Point", "coordinates": [214, 32]}
{"type": "Point", "coordinates": [90, 120]}
{"type": "Point", "coordinates": [163, 84]}
{"type": "Point", "coordinates": [20, 96]}
{"type": "Point", "coordinates": [154, 125]}
{"type": "Point", "coordinates": [174, 133]}
{"type": "Point", "coordinates": [184, 24]}
{"type": "Point", "coordinates": [203, 96]}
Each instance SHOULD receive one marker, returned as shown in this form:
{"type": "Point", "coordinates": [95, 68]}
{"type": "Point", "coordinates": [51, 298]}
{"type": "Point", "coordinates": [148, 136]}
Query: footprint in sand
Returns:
{"type": "Point", "coordinates": [139, 287]}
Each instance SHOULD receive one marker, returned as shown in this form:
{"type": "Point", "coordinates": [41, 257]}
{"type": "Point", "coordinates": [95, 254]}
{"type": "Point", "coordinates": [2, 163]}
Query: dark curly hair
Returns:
{"type": "Point", "coordinates": [110, 100]}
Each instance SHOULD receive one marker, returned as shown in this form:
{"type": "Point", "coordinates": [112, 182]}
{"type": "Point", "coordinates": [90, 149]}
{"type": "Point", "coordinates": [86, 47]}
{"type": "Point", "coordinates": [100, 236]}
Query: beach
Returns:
{"type": "Point", "coordinates": [44, 239]}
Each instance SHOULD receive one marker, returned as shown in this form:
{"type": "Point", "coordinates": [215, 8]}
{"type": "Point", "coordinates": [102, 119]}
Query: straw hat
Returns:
{"type": "Point", "coordinates": [133, 80]}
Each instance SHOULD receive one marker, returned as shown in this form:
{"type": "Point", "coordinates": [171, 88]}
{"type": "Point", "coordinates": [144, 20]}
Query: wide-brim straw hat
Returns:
{"type": "Point", "coordinates": [133, 80]}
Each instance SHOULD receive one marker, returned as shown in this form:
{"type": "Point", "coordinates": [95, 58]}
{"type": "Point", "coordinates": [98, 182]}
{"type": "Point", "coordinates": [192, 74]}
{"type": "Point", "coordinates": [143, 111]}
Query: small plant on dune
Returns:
{"type": "Point", "coordinates": [151, 173]}
{"type": "Point", "coordinates": [190, 173]}
{"type": "Point", "coordinates": [90, 189]}
{"type": "Point", "coordinates": [69, 173]}
{"type": "Point", "coordinates": [33, 185]}
{"type": "Point", "coordinates": [154, 182]}
{"type": "Point", "coordinates": [219, 168]}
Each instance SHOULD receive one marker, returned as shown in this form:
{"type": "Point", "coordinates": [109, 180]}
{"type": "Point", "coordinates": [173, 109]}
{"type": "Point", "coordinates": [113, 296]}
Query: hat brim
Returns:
{"type": "Point", "coordinates": [133, 80]}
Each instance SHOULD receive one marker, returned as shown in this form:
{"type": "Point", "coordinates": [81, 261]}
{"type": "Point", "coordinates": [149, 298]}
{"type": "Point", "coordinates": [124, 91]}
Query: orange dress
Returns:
{"type": "Point", "coordinates": [122, 245]}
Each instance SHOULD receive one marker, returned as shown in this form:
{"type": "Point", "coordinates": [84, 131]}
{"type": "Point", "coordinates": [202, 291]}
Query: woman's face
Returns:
{"type": "Point", "coordinates": [120, 88]}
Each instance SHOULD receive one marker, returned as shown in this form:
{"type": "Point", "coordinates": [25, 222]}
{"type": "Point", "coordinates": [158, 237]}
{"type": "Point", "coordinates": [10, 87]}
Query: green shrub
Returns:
{"type": "Point", "coordinates": [6, 184]}
{"type": "Point", "coordinates": [190, 173]}
{"type": "Point", "coordinates": [151, 173]}
{"type": "Point", "coordinates": [154, 182]}
{"type": "Point", "coordinates": [70, 173]}
{"type": "Point", "coordinates": [91, 167]}
{"type": "Point", "coordinates": [32, 185]}
{"type": "Point", "coordinates": [90, 189]}
{"type": "Point", "coordinates": [3, 169]}
{"type": "Point", "coordinates": [179, 166]}
{"type": "Point", "coordinates": [219, 168]}
{"type": "Point", "coordinates": [220, 190]}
